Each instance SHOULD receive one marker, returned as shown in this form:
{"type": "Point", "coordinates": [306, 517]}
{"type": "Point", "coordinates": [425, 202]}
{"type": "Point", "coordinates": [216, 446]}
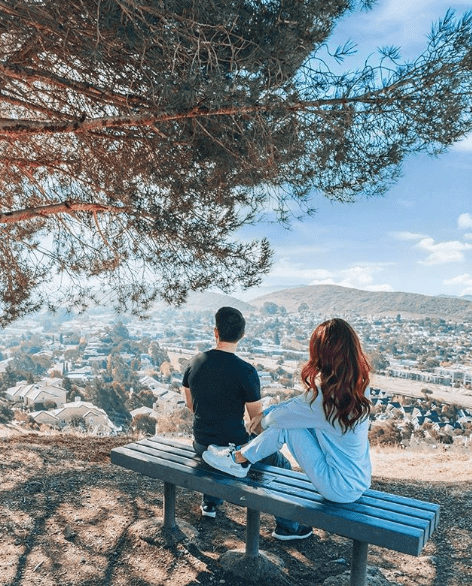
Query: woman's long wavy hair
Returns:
{"type": "Point", "coordinates": [339, 365]}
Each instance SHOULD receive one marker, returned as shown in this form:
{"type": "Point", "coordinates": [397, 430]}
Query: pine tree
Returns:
{"type": "Point", "coordinates": [137, 136]}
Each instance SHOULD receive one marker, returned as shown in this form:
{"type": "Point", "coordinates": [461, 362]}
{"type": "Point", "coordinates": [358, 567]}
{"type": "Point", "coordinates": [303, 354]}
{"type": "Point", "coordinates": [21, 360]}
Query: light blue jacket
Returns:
{"type": "Point", "coordinates": [345, 467]}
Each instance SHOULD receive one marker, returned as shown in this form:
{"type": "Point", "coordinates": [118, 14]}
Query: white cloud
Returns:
{"type": "Point", "coordinates": [357, 277]}
{"type": "Point", "coordinates": [327, 281]}
{"type": "Point", "coordinates": [384, 287]}
{"type": "Point", "coordinates": [362, 277]}
{"type": "Point", "coordinates": [464, 221]}
{"type": "Point", "coordinates": [464, 145]}
{"type": "Point", "coordinates": [402, 23]}
{"type": "Point", "coordinates": [408, 236]}
{"type": "Point", "coordinates": [464, 281]}
{"type": "Point", "coordinates": [443, 252]}
{"type": "Point", "coordinates": [468, 235]}
{"type": "Point", "coordinates": [288, 270]}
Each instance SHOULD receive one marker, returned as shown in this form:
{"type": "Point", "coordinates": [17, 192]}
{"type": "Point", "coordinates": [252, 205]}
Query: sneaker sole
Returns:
{"type": "Point", "coordinates": [290, 537]}
{"type": "Point", "coordinates": [237, 472]}
{"type": "Point", "coordinates": [207, 514]}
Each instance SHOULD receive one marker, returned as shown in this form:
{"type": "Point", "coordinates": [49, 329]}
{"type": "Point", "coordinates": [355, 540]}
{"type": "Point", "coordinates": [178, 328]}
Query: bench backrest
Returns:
{"type": "Point", "coordinates": [388, 520]}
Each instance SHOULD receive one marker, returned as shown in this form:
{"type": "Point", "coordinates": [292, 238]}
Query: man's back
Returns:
{"type": "Point", "coordinates": [221, 384]}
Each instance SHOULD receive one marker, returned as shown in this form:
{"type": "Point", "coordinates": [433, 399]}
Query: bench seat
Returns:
{"type": "Point", "coordinates": [386, 520]}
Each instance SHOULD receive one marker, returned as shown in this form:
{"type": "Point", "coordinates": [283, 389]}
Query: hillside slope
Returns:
{"type": "Point", "coordinates": [209, 301]}
{"type": "Point", "coordinates": [335, 300]}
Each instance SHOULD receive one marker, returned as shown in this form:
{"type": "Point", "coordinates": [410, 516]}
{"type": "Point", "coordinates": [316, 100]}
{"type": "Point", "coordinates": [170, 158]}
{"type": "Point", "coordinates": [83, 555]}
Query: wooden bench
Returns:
{"type": "Point", "coordinates": [378, 518]}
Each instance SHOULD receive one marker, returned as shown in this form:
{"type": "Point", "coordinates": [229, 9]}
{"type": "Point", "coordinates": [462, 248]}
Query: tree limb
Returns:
{"type": "Point", "coordinates": [66, 207]}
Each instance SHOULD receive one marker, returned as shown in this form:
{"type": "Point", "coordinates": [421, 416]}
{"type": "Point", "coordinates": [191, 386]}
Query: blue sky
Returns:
{"type": "Point", "coordinates": [418, 237]}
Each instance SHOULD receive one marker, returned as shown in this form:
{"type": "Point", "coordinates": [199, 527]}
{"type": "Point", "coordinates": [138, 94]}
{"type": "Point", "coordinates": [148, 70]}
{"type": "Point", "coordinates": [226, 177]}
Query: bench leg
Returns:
{"type": "Point", "coordinates": [169, 505]}
{"type": "Point", "coordinates": [359, 563]}
{"type": "Point", "coordinates": [253, 519]}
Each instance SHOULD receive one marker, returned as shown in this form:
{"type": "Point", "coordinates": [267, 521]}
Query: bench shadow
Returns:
{"type": "Point", "coordinates": [310, 559]}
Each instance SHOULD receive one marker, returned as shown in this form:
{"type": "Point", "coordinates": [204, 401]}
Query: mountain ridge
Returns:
{"type": "Point", "coordinates": [337, 300]}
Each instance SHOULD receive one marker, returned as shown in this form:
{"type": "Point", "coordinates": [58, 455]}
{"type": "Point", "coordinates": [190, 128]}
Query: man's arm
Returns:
{"type": "Point", "coordinates": [188, 398]}
{"type": "Point", "coordinates": [253, 409]}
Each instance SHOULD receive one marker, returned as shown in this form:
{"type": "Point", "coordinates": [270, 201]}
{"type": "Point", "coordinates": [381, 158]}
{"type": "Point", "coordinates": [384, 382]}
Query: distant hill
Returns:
{"type": "Point", "coordinates": [206, 301]}
{"type": "Point", "coordinates": [213, 301]}
{"type": "Point", "coordinates": [466, 297]}
{"type": "Point", "coordinates": [335, 300]}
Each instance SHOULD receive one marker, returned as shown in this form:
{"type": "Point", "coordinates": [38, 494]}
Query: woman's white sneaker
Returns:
{"type": "Point", "coordinates": [224, 461]}
{"type": "Point", "coordinates": [221, 449]}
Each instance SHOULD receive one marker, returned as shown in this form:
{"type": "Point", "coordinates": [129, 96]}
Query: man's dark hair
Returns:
{"type": "Point", "coordinates": [230, 324]}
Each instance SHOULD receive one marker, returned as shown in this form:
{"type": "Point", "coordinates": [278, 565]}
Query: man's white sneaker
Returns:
{"type": "Point", "coordinates": [225, 462]}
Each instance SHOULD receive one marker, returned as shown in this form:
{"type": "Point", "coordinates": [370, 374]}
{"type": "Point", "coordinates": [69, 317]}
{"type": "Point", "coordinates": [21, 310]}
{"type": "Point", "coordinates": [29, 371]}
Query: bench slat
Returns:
{"type": "Point", "coordinates": [367, 499]}
{"type": "Point", "coordinates": [370, 506]}
{"type": "Point", "coordinates": [291, 476]}
{"type": "Point", "coordinates": [178, 465]}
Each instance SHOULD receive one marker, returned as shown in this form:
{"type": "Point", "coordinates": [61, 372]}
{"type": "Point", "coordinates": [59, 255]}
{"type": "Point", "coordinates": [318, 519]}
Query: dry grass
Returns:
{"type": "Point", "coordinates": [425, 464]}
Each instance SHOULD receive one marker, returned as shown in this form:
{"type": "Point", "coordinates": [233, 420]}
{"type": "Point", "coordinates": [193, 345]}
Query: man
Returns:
{"type": "Point", "coordinates": [219, 387]}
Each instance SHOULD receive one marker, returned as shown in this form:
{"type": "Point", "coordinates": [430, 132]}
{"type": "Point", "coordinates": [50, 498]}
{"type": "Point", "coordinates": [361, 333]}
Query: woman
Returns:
{"type": "Point", "coordinates": [326, 427]}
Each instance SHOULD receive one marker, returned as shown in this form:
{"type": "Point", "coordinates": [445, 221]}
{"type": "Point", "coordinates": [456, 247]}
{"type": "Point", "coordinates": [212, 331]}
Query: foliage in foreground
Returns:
{"type": "Point", "coordinates": [138, 136]}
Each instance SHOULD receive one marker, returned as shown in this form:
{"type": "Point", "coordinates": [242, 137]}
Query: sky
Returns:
{"type": "Point", "coordinates": [417, 237]}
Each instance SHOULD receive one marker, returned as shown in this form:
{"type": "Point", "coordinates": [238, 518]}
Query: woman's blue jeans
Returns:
{"type": "Point", "coordinates": [276, 459]}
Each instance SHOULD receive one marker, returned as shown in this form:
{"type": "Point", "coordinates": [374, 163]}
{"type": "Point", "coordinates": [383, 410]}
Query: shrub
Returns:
{"type": "Point", "coordinates": [385, 433]}
{"type": "Point", "coordinates": [444, 438]}
{"type": "Point", "coordinates": [144, 423]}
{"type": "Point", "coordinates": [78, 422]}
{"type": "Point", "coordinates": [179, 420]}
{"type": "Point", "coordinates": [6, 414]}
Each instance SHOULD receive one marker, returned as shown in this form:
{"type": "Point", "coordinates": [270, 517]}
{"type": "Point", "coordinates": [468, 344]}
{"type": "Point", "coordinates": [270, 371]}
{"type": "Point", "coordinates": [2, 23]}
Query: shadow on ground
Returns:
{"type": "Point", "coordinates": [67, 516]}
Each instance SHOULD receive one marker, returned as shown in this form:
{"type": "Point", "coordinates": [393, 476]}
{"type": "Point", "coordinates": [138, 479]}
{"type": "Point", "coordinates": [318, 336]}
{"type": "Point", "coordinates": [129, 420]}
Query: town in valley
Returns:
{"type": "Point", "coordinates": [105, 374]}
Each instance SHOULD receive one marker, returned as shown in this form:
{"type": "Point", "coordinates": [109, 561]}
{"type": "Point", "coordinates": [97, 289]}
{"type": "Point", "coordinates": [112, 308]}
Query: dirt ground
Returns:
{"type": "Point", "coordinates": [69, 517]}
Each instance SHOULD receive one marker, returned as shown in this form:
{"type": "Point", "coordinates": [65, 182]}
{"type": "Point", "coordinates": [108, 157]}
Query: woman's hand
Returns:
{"type": "Point", "coordinates": [255, 424]}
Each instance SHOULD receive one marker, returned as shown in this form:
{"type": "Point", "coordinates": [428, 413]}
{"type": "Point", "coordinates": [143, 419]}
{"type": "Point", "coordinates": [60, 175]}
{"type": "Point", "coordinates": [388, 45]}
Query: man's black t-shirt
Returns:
{"type": "Point", "coordinates": [220, 384]}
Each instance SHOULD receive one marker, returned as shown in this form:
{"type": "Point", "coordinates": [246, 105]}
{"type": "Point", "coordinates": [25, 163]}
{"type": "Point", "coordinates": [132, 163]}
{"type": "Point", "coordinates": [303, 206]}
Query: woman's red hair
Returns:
{"type": "Point", "coordinates": [339, 365]}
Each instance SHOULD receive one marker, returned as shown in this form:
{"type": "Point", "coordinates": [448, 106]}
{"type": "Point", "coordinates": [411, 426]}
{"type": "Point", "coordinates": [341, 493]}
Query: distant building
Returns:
{"type": "Point", "coordinates": [455, 375]}
{"type": "Point", "coordinates": [95, 418]}
{"type": "Point", "coordinates": [45, 417]}
{"type": "Point", "coordinates": [144, 411]}
{"type": "Point", "coordinates": [80, 374]}
{"type": "Point", "coordinates": [38, 394]}
{"type": "Point", "coordinates": [168, 401]}
{"type": "Point", "coordinates": [153, 385]}
{"type": "Point", "coordinates": [265, 378]}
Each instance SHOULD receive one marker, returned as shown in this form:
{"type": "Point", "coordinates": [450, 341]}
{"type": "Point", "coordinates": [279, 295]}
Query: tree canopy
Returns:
{"type": "Point", "coordinates": [138, 136]}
